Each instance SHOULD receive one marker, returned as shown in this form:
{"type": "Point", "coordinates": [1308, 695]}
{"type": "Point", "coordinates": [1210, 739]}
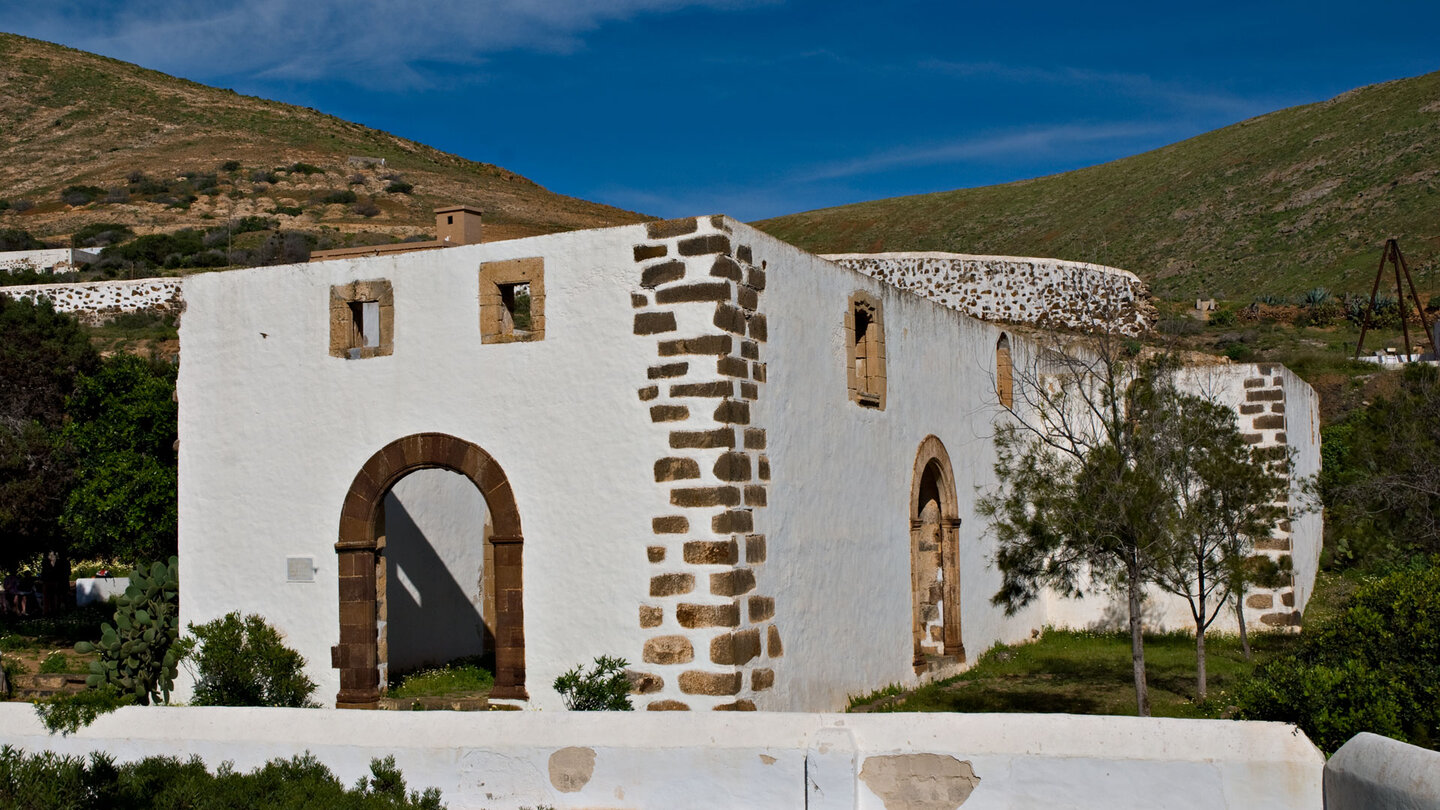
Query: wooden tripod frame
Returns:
{"type": "Point", "coordinates": [1393, 255]}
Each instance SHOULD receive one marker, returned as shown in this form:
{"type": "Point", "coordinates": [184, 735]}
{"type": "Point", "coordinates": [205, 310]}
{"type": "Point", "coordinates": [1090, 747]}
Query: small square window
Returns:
{"type": "Point", "coordinates": [362, 320]}
{"type": "Point", "coordinates": [865, 339]}
{"type": "Point", "coordinates": [512, 301]}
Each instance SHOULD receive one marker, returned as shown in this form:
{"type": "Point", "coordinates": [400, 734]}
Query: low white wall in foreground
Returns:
{"type": "Point", "coordinates": [95, 302]}
{"type": "Point", "coordinates": [749, 760]}
{"type": "Point", "coordinates": [1371, 772]}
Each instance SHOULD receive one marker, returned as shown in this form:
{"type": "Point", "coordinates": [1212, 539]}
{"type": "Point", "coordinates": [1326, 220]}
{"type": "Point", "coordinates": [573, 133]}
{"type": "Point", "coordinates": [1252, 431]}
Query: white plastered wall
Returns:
{"type": "Point", "coordinates": [273, 429]}
{"type": "Point", "coordinates": [839, 514]}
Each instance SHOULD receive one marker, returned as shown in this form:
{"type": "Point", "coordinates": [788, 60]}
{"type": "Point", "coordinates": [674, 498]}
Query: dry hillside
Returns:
{"type": "Point", "coordinates": [1279, 204]}
{"type": "Point", "coordinates": [142, 144]}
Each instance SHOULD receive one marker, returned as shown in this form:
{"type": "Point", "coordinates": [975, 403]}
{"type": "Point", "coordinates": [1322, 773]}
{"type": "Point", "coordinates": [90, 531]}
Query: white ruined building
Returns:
{"type": "Point", "coordinates": [47, 260]}
{"type": "Point", "coordinates": [748, 470]}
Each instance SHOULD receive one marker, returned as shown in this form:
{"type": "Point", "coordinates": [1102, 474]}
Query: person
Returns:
{"type": "Point", "coordinates": [25, 597]}
{"type": "Point", "coordinates": [10, 602]}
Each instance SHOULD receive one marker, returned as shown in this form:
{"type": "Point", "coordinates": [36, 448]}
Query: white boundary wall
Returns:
{"type": "Point", "coordinates": [672, 760]}
{"type": "Point", "coordinates": [96, 301]}
{"type": "Point", "coordinates": [47, 260]}
{"type": "Point", "coordinates": [1016, 289]}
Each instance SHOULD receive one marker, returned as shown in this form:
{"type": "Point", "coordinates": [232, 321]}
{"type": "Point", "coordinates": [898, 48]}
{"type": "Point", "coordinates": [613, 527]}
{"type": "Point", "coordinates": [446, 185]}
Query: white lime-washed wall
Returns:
{"type": "Point", "coordinates": [95, 302]}
{"type": "Point", "coordinates": [839, 514]}
{"type": "Point", "coordinates": [823, 762]}
{"type": "Point", "coordinates": [273, 429]}
{"type": "Point", "coordinates": [1014, 289]}
{"type": "Point", "coordinates": [47, 260]}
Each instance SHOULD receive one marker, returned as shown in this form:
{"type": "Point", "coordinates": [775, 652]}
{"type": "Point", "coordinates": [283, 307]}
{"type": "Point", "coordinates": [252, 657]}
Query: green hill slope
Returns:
{"type": "Point", "coordinates": [71, 118]}
{"type": "Point", "coordinates": [1285, 202]}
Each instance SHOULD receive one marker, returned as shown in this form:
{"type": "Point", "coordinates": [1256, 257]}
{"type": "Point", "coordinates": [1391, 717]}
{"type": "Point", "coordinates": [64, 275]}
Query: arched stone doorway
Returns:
{"type": "Point", "coordinates": [934, 557]}
{"type": "Point", "coordinates": [362, 525]}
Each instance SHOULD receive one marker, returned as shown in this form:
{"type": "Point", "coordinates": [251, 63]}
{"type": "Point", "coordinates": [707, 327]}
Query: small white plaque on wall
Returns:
{"type": "Point", "coordinates": [299, 569]}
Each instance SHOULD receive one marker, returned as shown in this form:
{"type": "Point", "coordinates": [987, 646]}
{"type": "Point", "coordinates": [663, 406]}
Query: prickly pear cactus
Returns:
{"type": "Point", "coordinates": [137, 653]}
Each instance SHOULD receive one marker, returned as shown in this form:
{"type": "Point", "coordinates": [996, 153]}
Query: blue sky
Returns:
{"type": "Point", "coordinates": [764, 107]}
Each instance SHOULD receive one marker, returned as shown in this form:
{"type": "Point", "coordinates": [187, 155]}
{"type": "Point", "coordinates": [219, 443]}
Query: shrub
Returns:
{"type": "Point", "coordinates": [117, 195]}
{"type": "Point", "coordinates": [4, 205]}
{"type": "Point", "coordinates": [338, 197]}
{"type": "Point", "coordinates": [288, 210]}
{"type": "Point", "coordinates": [68, 714]}
{"type": "Point", "coordinates": [47, 780]}
{"type": "Point", "coordinates": [1223, 317]}
{"type": "Point", "coordinates": [357, 179]}
{"type": "Point", "coordinates": [263, 176]}
{"type": "Point", "coordinates": [367, 209]}
{"type": "Point", "coordinates": [80, 195]}
{"type": "Point", "coordinates": [53, 663]}
{"type": "Point", "coordinates": [304, 168]}
{"type": "Point", "coordinates": [18, 239]}
{"type": "Point", "coordinates": [230, 166]}
{"type": "Point", "coordinates": [1375, 667]}
{"type": "Point", "coordinates": [101, 234]}
{"type": "Point", "coordinates": [137, 654]}
{"type": "Point", "coordinates": [21, 206]}
{"type": "Point", "coordinates": [243, 662]}
{"type": "Point", "coordinates": [604, 688]}
{"type": "Point", "coordinates": [399, 187]}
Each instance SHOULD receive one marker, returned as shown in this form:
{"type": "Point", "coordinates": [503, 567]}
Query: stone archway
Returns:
{"type": "Point", "coordinates": [934, 557]}
{"type": "Point", "coordinates": [362, 523]}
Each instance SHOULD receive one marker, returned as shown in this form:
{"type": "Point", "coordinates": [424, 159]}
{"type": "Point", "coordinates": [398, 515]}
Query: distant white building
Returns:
{"type": "Point", "coordinates": [47, 260]}
{"type": "Point", "coordinates": [748, 470]}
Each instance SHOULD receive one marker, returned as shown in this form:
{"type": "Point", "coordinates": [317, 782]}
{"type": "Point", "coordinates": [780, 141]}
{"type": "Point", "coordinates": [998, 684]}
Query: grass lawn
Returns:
{"type": "Point", "coordinates": [1081, 672]}
{"type": "Point", "coordinates": [461, 678]}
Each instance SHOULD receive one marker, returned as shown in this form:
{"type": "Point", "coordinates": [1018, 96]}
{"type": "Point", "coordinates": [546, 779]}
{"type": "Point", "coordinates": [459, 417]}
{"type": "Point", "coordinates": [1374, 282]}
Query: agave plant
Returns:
{"type": "Point", "coordinates": [1316, 297]}
{"type": "Point", "coordinates": [137, 653]}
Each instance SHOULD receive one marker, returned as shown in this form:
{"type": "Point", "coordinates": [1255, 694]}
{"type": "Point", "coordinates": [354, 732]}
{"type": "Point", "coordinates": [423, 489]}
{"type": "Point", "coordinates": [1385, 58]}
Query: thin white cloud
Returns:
{"type": "Point", "coordinates": [1138, 86]}
{"type": "Point", "coordinates": [373, 43]}
{"type": "Point", "coordinates": [1026, 143]}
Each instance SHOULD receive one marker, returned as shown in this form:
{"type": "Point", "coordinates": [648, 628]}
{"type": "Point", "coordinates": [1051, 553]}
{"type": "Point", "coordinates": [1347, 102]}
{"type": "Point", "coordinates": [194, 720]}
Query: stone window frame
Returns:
{"type": "Point", "coordinates": [346, 340]}
{"type": "Point", "coordinates": [866, 389]}
{"type": "Point", "coordinates": [1004, 372]}
{"type": "Point", "coordinates": [933, 458]}
{"type": "Point", "coordinates": [495, 325]}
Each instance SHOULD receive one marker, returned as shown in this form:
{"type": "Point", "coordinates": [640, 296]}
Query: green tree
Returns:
{"type": "Point", "coordinates": [1224, 494]}
{"type": "Point", "coordinates": [1081, 502]}
{"type": "Point", "coordinates": [41, 355]}
{"type": "Point", "coordinates": [122, 428]}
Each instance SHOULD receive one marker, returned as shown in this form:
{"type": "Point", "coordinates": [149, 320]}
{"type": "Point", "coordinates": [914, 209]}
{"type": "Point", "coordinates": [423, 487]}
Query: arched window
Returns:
{"type": "Point", "coordinates": [865, 339]}
{"type": "Point", "coordinates": [1004, 372]}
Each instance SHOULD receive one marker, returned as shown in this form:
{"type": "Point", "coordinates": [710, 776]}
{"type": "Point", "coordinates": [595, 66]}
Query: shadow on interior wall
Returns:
{"type": "Point", "coordinates": [431, 617]}
{"type": "Point", "coordinates": [1116, 615]}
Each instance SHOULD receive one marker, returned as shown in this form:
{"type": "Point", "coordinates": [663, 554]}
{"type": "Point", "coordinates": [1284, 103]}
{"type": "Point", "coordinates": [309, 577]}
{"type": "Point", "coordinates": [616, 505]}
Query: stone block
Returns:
{"type": "Point", "coordinates": [755, 278]}
{"type": "Point", "coordinates": [667, 706]}
{"type": "Point", "coordinates": [750, 350]}
{"type": "Point", "coordinates": [726, 267]}
{"type": "Point", "coordinates": [714, 388]}
{"type": "Point", "coordinates": [696, 682]}
{"type": "Point", "coordinates": [1291, 619]}
{"type": "Point", "coordinates": [648, 393]}
{"type": "Point", "coordinates": [1270, 395]}
{"type": "Point", "coordinates": [673, 584]}
{"type": "Point", "coordinates": [741, 705]}
{"type": "Point", "coordinates": [754, 438]}
{"type": "Point", "coordinates": [670, 524]}
{"type": "Point", "coordinates": [1250, 408]}
{"type": "Point", "coordinates": [761, 679]}
{"type": "Point", "coordinates": [706, 344]}
{"type": "Point", "coordinates": [667, 371]}
{"type": "Point", "coordinates": [653, 323]}
{"type": "Point", "coordinates": [773, 647]}
{"type": "Point", "coordinates": [761, 608]}
{"type": "Point", "coordinates": [694, 497]}
{"type": "Point", "coordinates": [668, 650]}
{"type": "Point", "coordinates": [646, 252]}
{"type": "Point", "coordinates": [1269, 422]}
{"type": "Point", "coordinates": [644, 683]}
{"type": "Point", "coordinates": [733, 412]}
{"type": "Point", "coordinates": [637, 300]}
{"type": "Point", "coordinates": [669, 413]}
{"type": "Point", "coordinates": [651, 616]}
{"type": "Point", "coordinates": [676, 469]}
{"type": "Point", "coordinates": [732, 367]}
{"type": "Point", "coordinates": [666, 228]}
{"type": "Point", "coordinates": [735, 649]}
{"type": "Point", "coordinates": [701, 245]}
{"type": "Point", "coordinates": [759, 330]}
{"type": "Point", "coordinates": [702, 439]}
{"type": "Point", "coordinates": [693, 616]}
{"type": "Point", "coordinates": [1260, 601]}
{"type": "Point", "coordinates": [755, 548]}
{"type": "Point", "coordinates": [732, 583]}
{"type": "Point", "coordinates": [655, 553]}
{"type": "Point", "coordinates": [732, 466]}
{"type": "Point", "coordinates": [755, 495]}
{"type": "Point", "coordinates": [734, 521]}
{"type": "Point", "coordinates": [662, 273]}
{"type": "Point", "coordinates": [690, 293]}
{"type": "Point", "coordinates": [730, 318]}
{"type": "Point", "coordinates": [711, 552]}
{"type": "Point", "coordinates": [747, 298]}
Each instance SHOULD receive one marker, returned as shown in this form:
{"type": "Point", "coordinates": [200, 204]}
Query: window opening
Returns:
{"type": "Point", "coordinates": [866, 331]}
{"type": "Point", "coordinates": [362, 320]}
{"type": "Point", "coordinates": [1004, 373]}
{"type": "Point", "coordinates": [516, 298]}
